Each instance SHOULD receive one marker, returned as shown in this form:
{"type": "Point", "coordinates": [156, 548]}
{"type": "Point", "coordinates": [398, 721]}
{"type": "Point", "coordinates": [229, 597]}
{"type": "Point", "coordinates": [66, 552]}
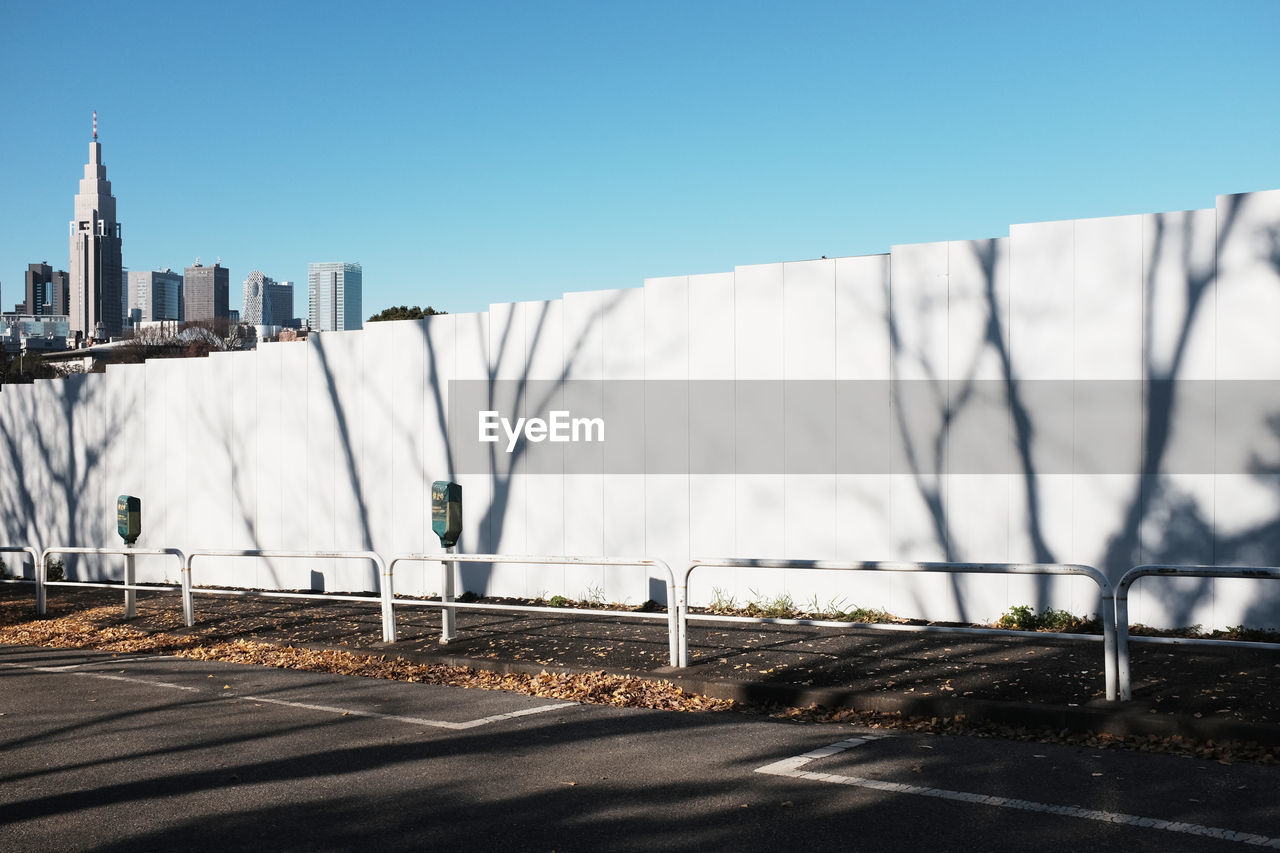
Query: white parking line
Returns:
{"type": "Point", "coordinates": [417, 721]}
{"type": "Point", "coordinates": [329, 709]}
{"type": "Point", "coordinates": [72, 669]}
{"type": "Point", "coordinates": [791, 767]}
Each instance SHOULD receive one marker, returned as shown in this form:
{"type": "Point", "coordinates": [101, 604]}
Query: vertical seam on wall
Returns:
{"type": "Point", "coordinates": [944, 496]}
{"type": "Point", "coordinates": [835, 427]}
{"type": "Point", "coordinates": [1217, 254]}
{"type": "Point", "coordinates": [1146, 348]}
{"type": "Point", "coordinates": [688, 419]}
{"type": "Point", "coordinates": [785, 470]}
{"type": "Point", "coordinates": [1072, 553]}
{"type": "Point", "coordinates": [886, 285]}
{"type": "Point", "coordinates": [733, 348]}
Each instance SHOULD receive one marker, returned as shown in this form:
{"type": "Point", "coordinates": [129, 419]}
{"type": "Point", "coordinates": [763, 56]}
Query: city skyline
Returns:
{"type": "Point", "coordinates": [503, 153]}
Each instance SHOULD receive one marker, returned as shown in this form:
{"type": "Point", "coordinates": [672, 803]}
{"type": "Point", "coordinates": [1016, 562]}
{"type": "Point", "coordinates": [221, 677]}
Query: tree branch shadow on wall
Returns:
{"type": "Point", "coordinates": [927, 449]}
{"type": "Point", "coordinates": [52, 502]}
{"type": "Point", "coordinates": [502, 471]}
{"type": "Point", "coordinates": [1158, 521]}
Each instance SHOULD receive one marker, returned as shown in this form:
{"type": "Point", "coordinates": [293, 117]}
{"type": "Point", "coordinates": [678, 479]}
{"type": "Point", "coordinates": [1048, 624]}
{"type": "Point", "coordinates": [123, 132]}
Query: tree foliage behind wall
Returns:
{"type": "Point", "coordinates": [404, 312]}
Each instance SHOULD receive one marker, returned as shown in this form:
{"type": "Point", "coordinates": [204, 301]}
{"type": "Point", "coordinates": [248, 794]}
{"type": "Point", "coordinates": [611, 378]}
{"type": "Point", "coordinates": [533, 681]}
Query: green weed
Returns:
{"type": "Point", "coordinates": [1023, 617]}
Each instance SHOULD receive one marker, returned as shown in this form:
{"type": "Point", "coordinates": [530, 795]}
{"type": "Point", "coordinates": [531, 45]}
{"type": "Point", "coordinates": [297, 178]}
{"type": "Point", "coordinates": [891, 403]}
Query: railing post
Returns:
{"type": "Point", "coordinates": [448, 615]}
{"type": "Point", "coordinates": [682, 596]}
{"type": "Point", "coordinates": [673, 618]}
{"type": "Point", "coordinates": [388, 596]}
{"type": "Point", "coordinates": [1124, 687]}
{"type": "Point", "coordinates": [130, 575]}
{"type": "Point", "coordinates": [188, 605]}
{"type": "Point", "coordinates": [41, 599]}
{"type": "Point", "coordinates": [1109, 644]}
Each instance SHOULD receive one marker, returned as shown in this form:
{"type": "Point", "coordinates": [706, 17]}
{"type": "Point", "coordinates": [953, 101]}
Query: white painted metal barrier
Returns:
{"type": "Point", "coordinates": [448, 605]}
{"type": "Point", "coordinates": [129, 586]}
{"type": "Point", "coordinates": [35, 567]}
{"type": "Point", "coordinates": [388, 616]}
{"type": "Point", "coordinates": [1106, 607]}
{"type": "Point", "coordinates": [22, 549]}
{"type": "Point", "coordinates": [1122, 608]}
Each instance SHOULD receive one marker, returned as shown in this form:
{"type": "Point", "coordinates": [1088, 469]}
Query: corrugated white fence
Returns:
{"type": "Point", "coordinates": [332, 444]}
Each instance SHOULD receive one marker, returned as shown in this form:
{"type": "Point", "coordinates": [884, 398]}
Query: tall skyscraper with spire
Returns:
{"type": "Point", "coordinates": [94, 275]}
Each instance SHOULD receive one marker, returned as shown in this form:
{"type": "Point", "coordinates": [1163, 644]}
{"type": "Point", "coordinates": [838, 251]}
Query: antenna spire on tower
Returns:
{"type": "Point", "coordinates": [95, 125]}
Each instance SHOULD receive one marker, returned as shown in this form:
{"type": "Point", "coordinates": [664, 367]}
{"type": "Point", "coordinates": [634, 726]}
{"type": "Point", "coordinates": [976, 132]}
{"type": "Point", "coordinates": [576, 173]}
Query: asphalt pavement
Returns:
{"type": "Point", "coordinates": [117, 752]}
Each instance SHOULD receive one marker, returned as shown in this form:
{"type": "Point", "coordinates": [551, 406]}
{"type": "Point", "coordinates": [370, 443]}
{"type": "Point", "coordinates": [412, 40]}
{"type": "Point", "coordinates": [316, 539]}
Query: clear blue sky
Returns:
{"type": "Point", "coordinates": [476, 152]}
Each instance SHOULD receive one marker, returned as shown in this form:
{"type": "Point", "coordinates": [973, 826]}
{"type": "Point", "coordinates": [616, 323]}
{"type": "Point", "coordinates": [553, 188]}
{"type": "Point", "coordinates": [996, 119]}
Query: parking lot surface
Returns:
{"type": "Point", "coordinates": [120, 752]}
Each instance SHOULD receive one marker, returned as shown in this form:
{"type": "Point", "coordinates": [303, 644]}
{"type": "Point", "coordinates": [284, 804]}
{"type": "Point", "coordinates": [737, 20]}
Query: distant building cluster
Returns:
{"type": "Point", "coordinates": [96, 299]}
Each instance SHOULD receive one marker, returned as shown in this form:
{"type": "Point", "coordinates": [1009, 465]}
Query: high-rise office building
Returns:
{"type": "Point", "coordinates": [334, 291]}
{"type": "Point", "coordinates": [206, 292]}
{"type": "Point", "coordinates": [38, 278]}
{"type": "Point", "coordinates": [251, 299]}
{"type": "Point", "coordinates": [266, 302]}
{"type": "Point", "coordinates": [94, 272]}
{"type": "Point", "coordinates": [46, 291]}
{"type": "Point", "coordinates": [156, 294]}
{"type": "Point", "coordinates": [278, 304]}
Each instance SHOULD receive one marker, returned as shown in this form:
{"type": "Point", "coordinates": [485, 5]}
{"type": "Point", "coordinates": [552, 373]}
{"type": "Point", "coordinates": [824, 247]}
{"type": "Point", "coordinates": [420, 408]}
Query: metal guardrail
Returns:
{"type": "Point", "coordinates": [130, 586]}
{"type": "Point", "coordinates": [1122, 606]}
{"type": "Point", "coordinates": [1106, 607]}
{"type": "Point", "coordinates": [1115, 618]}
{"type": "Point", "coordinates": [188, 589]}
{"type": "Point", "coordinates": [22, 549]}
{"type": "Point", "coordinates": [447, 605]}
{"type": "Point", "coordinates": [35, 567]}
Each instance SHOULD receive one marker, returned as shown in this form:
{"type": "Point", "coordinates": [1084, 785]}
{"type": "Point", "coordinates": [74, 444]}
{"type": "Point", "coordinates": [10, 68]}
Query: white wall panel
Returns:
{"type": "Point", "coordinates": [809, 446]}
{"type": "Point", "coordinates": [208, 427]}
{"type": "Point", "coordinates": [471, 362]}
{"type": "Point", "coordinates": [58, 516]}
{"type": "Point", "coordinates": [623, 316]}
{"type": "Point", "coordinates": [667, 506]}
{"type": "Point", "coordinates": [507, 357]}
{"type": "Point", "coordinates": [1180, 304]}
{"type": "Point", "coordinates": [345, 374]}
{"type": "Point", "coordinates": [1108, 423]}
{"type": "Point", "coordinates": [1248, 311]}
{"type": "Point", "coordinates": [759, 421]}
{"type": "Point", "coordinates": [321, 467]}
{"type": "Point", "coordinates": [980, 453]}
{"type": "Point", "coordinates": [545, 482]}
{"type": "Point", "coordinates": [128, 467]}
{"type": "Point", "coordinates": [1042, 345]}
{"type": "Point", "coordinates": [242, 455]}
{"type": "Point", "coordinates": [91, 455]}
{"type": "Point", "coordinates": [156, 502]}
{"type": "Point", "coordinates": [387, 388]}
{"type": "Point", "coordinates": [421, 450]}
{"type": "Point", "coordinates": [918, 312]}
{"type": "Point", "coordinates": [169, 379]}
{"type": "Point", "coordinates": [57, 418]}
{"type": "Point", "coordinates": [584, 493]}
{"type": "Point", "coordinates": [863, 367]}
{"type": "Point", "coordinates": [712, 448]}
{"type": "Point", "coordinates": [272, 418]}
